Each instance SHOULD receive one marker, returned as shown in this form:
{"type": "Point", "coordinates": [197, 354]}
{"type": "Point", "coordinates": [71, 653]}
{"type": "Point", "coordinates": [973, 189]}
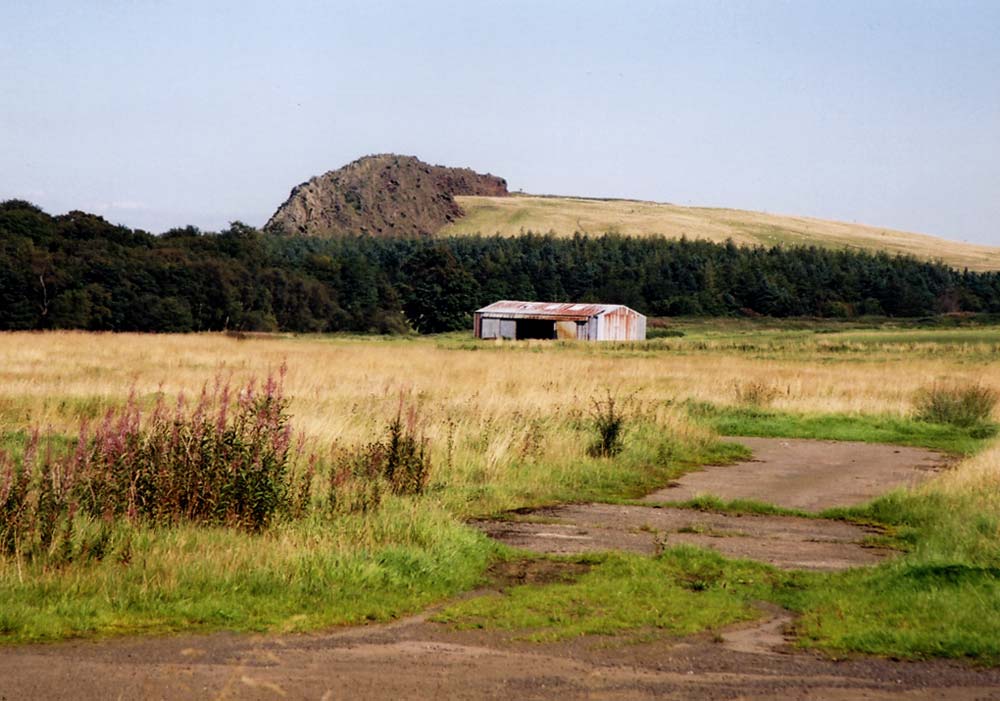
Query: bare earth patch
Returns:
{"type": "Point", "coordinates": [787, 542]}
{"type": "Point", "coordinates": [792, 473]}
{"type": "Point", "coordinates": [513, 573]}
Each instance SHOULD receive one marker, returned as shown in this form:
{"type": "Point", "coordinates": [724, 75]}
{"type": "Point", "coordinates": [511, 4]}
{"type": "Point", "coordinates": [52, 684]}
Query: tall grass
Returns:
{"type": "Point", "coordinates": [296, 575]}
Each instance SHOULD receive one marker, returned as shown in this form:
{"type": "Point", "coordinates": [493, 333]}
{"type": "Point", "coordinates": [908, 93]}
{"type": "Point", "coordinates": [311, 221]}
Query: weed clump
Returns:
{"type": "Point", "coordinates": [608, 420]}
{"type": "Point", "coordinates": [400, 463]}
{"type": "Point", "coordinates": [966, 406]}
{"type": "Point", "coordinates": [755, 393]}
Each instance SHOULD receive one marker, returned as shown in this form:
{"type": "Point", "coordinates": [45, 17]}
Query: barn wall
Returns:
{"type": "Point", "coordinates": [621, 325]}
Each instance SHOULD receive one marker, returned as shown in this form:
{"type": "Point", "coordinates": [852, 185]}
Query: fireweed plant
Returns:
{"type": "Point", "coordinates": [223, 459]}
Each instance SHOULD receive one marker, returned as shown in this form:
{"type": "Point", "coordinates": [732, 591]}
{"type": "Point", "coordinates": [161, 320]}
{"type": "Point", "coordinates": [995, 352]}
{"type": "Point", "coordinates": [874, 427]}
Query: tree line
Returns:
{"type": "Point", "coordinates": [77, 271]}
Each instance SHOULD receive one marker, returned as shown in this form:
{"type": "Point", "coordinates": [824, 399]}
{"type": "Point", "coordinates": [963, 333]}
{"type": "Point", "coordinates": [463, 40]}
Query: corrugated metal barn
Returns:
{"type": "Point", "coordinates": [559, 320]}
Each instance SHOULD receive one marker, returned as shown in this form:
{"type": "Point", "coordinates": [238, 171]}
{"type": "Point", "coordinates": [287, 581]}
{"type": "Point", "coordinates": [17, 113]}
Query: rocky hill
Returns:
{"type": "Point", "coordinates": [401, 196]}
{"type": "Point", "coordinates": [382, 195]}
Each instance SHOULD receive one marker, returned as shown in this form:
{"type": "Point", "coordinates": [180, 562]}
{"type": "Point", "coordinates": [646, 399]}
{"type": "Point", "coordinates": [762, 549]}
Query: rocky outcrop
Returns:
{"type": "Point", "coordinates": [384, 195]}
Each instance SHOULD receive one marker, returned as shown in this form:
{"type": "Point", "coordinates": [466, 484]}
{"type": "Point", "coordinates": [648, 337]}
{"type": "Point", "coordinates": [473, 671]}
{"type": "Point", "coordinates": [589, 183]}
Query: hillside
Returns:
{"type": "Point", "coordinates": [384, 195]}
{"type": "Point", "coordinates": [566, 215]}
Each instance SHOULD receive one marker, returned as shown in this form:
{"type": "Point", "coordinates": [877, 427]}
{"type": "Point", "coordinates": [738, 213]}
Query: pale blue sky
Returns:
{"type": "Point", "coordinates": [161, 114]}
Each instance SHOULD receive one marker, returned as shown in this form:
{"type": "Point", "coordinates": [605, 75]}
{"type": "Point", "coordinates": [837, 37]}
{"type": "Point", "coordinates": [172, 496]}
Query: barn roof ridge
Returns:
{"type": "Point", "coordinates": [570, 309]}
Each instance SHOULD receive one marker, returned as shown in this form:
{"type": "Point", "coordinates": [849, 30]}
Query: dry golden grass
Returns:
{"type": "Point", "coordinates": [567, 215]}
{"type": "Point", "coordinates": [493, 405]}
{"type": "Point", "coordinates": [345, 388]}
{"type": "Point", "coordinates": [341, 387]}
{"type": "Point", "coordinates": [978, 476]}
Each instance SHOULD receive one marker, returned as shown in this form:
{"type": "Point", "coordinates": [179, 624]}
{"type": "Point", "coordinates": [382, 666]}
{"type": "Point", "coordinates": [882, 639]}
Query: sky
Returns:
{"type": "Point", "coordinates": [162, 113]}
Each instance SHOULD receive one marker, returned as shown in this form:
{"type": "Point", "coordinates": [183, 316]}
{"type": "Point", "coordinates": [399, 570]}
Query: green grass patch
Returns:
{"type": "Point", "coordinates": [942, 599]}
{"type": "Point", "coordinates": [299, 576]}
{"type": "Point", "coordinates": [649, 460]}
{"type": "Point", "coordinates": [682, 591]}
{"type": "Point", "coordinates": [708, 502]}
{"type": "Point", "coordinates": [908, 609]}
{"type": "Point", "coordinates": [13, 443]}
{"type": "Point", "coordinates": [937, 528]}
{"type": "Point", "coordinates": [768, 423]}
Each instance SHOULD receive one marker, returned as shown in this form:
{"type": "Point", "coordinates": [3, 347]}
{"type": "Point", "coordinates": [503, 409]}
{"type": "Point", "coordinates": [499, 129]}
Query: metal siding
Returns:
{"type": "Point", "coordinates": [508, 329]}
{"type": "Point", "coordinates": [622, 324]}
{"type": "Point", "coordinates": [490, 328]}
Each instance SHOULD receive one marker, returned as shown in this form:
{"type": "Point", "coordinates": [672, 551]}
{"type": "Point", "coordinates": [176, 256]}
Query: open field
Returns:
{"type": "Point", "coordinates": [565, 216]}
{"type": "Point", "coordinates": [508, 427]}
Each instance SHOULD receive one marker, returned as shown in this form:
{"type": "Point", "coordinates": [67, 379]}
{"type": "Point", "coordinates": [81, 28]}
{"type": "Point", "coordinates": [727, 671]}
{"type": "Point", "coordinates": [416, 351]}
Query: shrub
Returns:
{"type": "Point", "coordinates": [966, 406]}
{"type": "Point", "coordinates": [608, 420]}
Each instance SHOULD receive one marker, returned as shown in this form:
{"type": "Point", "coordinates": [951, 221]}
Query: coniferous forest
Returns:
{"type": "Point", "coordinates": [77, 271]}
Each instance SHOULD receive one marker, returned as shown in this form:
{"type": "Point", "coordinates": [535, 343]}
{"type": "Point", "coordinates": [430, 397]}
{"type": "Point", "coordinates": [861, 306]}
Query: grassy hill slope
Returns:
{"type": "Point", "coordinates": [566, 215]}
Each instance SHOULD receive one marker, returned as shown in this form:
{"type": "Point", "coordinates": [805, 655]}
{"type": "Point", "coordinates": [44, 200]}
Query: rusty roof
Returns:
{"type": "Point", "coordinates": [561, 310]}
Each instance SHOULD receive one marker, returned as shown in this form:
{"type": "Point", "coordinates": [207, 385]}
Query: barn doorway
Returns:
{"type": "Point", "coordinates": [535, 328]}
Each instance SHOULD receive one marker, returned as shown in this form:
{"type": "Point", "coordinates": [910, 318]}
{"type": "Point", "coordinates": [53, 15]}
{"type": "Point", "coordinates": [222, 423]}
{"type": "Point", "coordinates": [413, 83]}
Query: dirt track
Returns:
{"type": "Point", "coordinates": [800, 474]}
{"type": "Point", "coordinates": [416, 658]}
{"type": "Point", "coordinates": [807, 474]}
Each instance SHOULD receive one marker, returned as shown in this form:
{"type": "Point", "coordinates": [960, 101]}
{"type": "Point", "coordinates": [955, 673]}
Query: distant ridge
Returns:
{"type": "Point", "coordinates": [394, 196]}
{"type": "Point", "coordinates": [385, 195]}
{"type": "Point", "coordinates": [564, 216]}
